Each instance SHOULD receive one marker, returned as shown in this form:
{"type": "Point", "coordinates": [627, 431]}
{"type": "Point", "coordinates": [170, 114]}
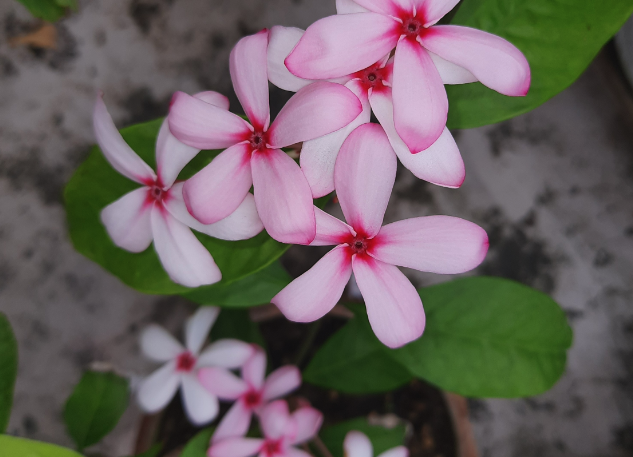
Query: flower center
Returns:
{"type": "Point", "coordinates": [371, 76]}
{"type": "Point", "coordinates": [185, 362]}
{"type": "Point", "coordinates": [271, 448]}
{"type": "Point", "coordinates": [258, 140]}
{"type": "Point", "coordinates": [252, 399]}
{"type": "Point", "coordinates": [412, 27]}
{"type": "Point", "coordinates": [157, 193]}
{"type": "Point", "coordinates": [359, 245]}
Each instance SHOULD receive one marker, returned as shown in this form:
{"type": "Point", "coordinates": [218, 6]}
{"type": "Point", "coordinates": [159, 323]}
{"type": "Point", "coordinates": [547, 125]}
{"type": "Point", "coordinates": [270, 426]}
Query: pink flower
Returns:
{"type": "Point", "coordinates": [282, 431]}
{"type": "Point", "coordinates": [182, 364]}
{"type": "Point", "coordinates": [156, 212]}
{"type": "Point", "coordinates": [254, 156]}
{"type": "Point", "coordinates": [440, 164]}
{"type": "Point", "coordinates": [364, 175]}
{"type": "Point", "coordinates": [252, 392]}
{"type": "Point", "coordinates": [357, 444]}
{"type": "Point", "coordinates": [366, 30]}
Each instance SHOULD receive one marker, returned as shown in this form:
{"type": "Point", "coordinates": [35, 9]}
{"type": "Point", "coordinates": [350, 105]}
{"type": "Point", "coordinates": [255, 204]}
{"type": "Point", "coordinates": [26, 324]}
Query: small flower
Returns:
{"type": "Point", "coordinates": [364, 175]}
{"type": "Point", "coordinates": [282, 431]}
{"type": "Point", "coordinates": [357, 444]}
{"type": "Point", "coordinates": [254, 156]}
{"type": "Point", "coordinates": [439, 164]}
{"type": "Point", "coordinates": [366, 30]}
{"type": "Point", "coordinates": [252, 392]}
{"type": "Point", "coordinates": [182, 365]}
{"type": "Point", "coordinates": [156, 212]}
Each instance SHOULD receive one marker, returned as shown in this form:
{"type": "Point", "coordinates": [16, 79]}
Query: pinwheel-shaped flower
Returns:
{"type": "Point", "coordinates": [364, 175]}
{"type": "Point", "coordinates": [282, 431]}
{"type": "Point", "coordinates": [157, 211]}
{"type": "Point", "coordinates": [254, 156]}
{"type": "Point", "coordinates": [182, 364]}
{"type": "Point", "coordinates": [439, 164]}
{"type": "Point", "coordinates": [366, 30]}
{"type": "Point", "coordinates": [252, 392]}
{"type": "Point", "coordinates": [357, 444]}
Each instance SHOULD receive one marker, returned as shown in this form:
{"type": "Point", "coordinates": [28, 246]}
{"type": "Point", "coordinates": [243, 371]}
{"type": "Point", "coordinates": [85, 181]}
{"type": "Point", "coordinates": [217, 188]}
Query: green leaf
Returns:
{"type": "Point", "coordinates": [354, 361]}
{"type": "Point", "coordinates": [381, 438]}
{"type": "Point", "coordinates": [559, 38]}
{"type": "Point", "coordinates": [96, 184]}
{"type": "Point", "coordinates": [199, 444]}
{"type": "Point", "coordinates": [151, 452]}
{"type": "Point", "coordinates": [95, 407]}
{"type": "Point", "coordinates": [489, 337]}
{"type": "Point", "coordinates": [11, 446]}
{"type": "Point", "coordinates": [72, 4]}
{"type": "Point", "coordinates": [8, 370]}
{"type": "Point", "coordinates": [235, 323]}
{"type": "Point", "coordinates": [49, 10]}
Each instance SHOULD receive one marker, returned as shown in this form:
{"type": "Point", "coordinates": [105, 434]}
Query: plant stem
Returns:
{"type": "Point", "coordinates": [307, 342]}
{"type": "Point", "coordinates": [320, 445]}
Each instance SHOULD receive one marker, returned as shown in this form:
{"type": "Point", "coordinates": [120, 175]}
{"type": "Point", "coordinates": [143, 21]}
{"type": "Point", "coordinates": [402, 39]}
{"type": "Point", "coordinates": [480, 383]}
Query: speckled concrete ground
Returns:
{"type": "Point", "coordinates": [552, 187]}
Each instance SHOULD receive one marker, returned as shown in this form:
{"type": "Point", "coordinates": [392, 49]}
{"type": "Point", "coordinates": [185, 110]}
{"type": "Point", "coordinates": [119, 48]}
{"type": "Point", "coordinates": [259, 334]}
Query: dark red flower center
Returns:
{"type": "Point", "coordinates": [157, 193]}
{"type": "Point", "coordinates": [412, 27]}
{"type": "Point", "coordinates": [371, 77]}
{"type": "Point", "coordinates": [359, 244]}
{"type": "Point", "coordinates": [258, 140]}
{"type": "Point", "coordinates": [185, 362]}
{"type": "Point", "coordinates": [252, 398]}
{"type": "Point", "coordinates": [271, 448]}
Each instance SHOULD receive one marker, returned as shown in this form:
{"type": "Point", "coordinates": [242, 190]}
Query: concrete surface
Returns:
{"type": "Point", "coordinates": [553, 187]}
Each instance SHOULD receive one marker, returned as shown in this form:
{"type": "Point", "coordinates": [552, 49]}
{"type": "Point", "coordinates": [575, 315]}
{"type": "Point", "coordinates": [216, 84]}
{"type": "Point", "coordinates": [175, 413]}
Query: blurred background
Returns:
{"type": "Point", "coordinates": [553, 188]}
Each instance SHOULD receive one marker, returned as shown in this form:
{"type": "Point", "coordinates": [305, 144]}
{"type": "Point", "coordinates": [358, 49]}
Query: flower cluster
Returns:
{"type": "Point", "coordinates": [385, 56]}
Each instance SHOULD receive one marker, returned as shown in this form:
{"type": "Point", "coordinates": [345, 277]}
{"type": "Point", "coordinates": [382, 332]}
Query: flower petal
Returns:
{"type": "Point", "coordinates": [393, 305]}
{"type": "Point", "coordinates": [205, 126]}
{"type": "Point", "coordinates": [281, 382]}
{"type": "Point", "coordinates": [226, 353]}
{"type": "Point", "coordinates": [440, 164]}
{"type": "Point", "coordinates": [234, 423]}
{"type": "Point", "coordinates": [313, 294]}
{"type": "Point", "coordinates": [122, 158]}
{"type": "Point", "coordinates": [439, 244]}
{"type": "Point", "coordinates": [254, 368]}
{"type": "Point", "coordinates": [275, 420]}
{"type": "Point", "coordinates": [318, 156]}
{"type": "Point", "coordinates": [387, 7]}
{"type": "Point", "coordinates": [158, 344]}
{"type": "Point", "coordinates": [308, 422]}
{"type": "Point", "coordinates": [241, 224]}
{"type": "Point", "coordinates": [340, 45]}
{"type": "Point", "coordinates": [183, 257]}
{"type": "Point", "coordinates": [364, 175]}
{"type": "Point", "coordinates": [171, 156]}
{"type": "Point", "coordinates": [451, 73]}
{"type": "Point", "coordinates": [283, 197]}
{"type": "Point", "coordinates": [197, 327]}
{"type": "Point", "coordinates": [294, 452]}
{"type": "Point", "coordinates": [127, 221]}
{"type": "Point", "coordinates": [159, 388]}
{"type": "Point", "coordinates": [200, 405]}
{"type": "Point", "coordinates": [281, 41]}
{"type": "Point", "coordinates": [399, 451]}
{"type": "Point", "coordinates": [357, 444]}
{"type": "Point", "coordinates": [349, 7]}
{"type": "Point", "coordinates": [330, 230]}
{"type": "Point", "coordinates": [419, 98]}
{"type": "Point", "coordinates": [249, 74]}
{"type": "Point", "coordinates": [213, 98]}
{"type": "Point", "coordinates": [235, 447]}
{"type": "Point", "coordinates": [316, 110]}
{"type": "Point", "coordinates": [434, 10]}
{"type": "Point", "coordinates": [222, 383]}
{"type": "Point", "coordinates": [218, 189]}
{"type": "Point", "coordinates": [494, 61]}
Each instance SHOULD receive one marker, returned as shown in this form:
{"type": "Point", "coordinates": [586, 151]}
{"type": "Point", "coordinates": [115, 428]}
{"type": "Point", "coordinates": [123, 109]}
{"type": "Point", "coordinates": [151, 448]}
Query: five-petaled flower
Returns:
{"type": "Point", "coordinates": [182, 365]}
{"type": "Point", "coordinates": [157, 211]}
{"type": "Point", "coordinates": [366, 30]}
{"type": "Point", "coordinates": [357, 444]}
{"type": "Point", "coordinates": [282, 431]}
{"type": "Point", "coordinates": [364, 176]}
{"type": "Point", "coordinates": [254, 156]}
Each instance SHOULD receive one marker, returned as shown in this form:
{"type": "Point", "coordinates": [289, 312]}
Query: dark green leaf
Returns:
{"type": "Point", "coordinates": [382, 438]}
{"type": "Point", "coordinates": [95, 407]}
{"type": "Point", "coordinates": [49, 10]}
{"type": "Point", "coordinates": [11, 446]}
{"type": "Point", "coordinates": [235, 323]}
{"type": "Point", "coordinates": [354, 361]}
{"type": "Point", "coordinates": [560, 38]}
{"type": "Point", "coordinates": [199, 444]}
{"type": "Point", "coordinates": [8, 370]}
{"type": "Point", "coordinates": [489, 337]}
{"type": "Point", "coordinates": [151, 452]}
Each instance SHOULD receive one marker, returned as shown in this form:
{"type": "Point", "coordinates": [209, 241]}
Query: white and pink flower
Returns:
{"type": "Point", "coordinates": [251, 393]}
{"type": "Point", "coordinates": [357, 444]}
{"type": "Point", "coordinates": [254, 157]}
{"type": "Point", "coordinates": [364, 176]}
{"type": "Point", "coordinates": [282, 432]}
{"type": "Point", "coordinates": [426, 56]}
{"type": "Point", "coordinates": [156, 212]}
{"type": "Point", "coordinates": [182, 364]}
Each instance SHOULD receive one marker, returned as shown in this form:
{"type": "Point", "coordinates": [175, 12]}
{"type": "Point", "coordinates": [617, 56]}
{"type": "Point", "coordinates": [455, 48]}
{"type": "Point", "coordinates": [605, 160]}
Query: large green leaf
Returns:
{"type": "Point", "coordinates": [95, 184]}
{"type": "Point", "coordinates": [354, 361]}
{"type": "Point", "coordinates": [381, 438]}
{"type": "Point", "coordinates": [11, 446]}
{"type": "Point", "coordinates": [236, 323]}
{"type": "Point", "coordinates": [199, 444]}
{"type": "Point", "coordinates": [95, 407]}
{"type": "Point", "coordinates": [8, 370]}
{"type": "Point", "coordinates": [559, 38]}
{"type": "Point", "coordinates": [489, 337]}
{"type": "Point", "coordinates": [49, 10]}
